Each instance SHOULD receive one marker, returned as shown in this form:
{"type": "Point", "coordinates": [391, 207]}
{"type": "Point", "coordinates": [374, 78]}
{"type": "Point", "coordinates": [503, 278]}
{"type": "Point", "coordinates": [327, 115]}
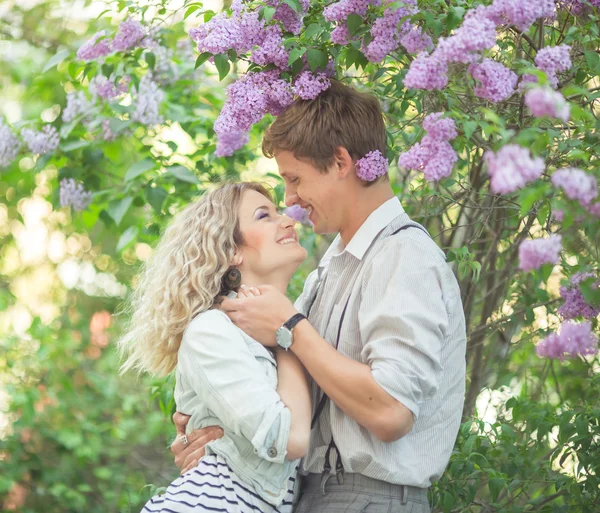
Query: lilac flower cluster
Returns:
{"type": "Point", "coordinates": [496, 82]}
{"type": "Point", "coordinates": [107, 133]}
{"type": "Point", "coordinates": [534, 253]}
{"type": "Point", "coordinates": [434, 155]}
{"type": "Point", "coordinates": [416, 41]}
{"type": "Point", "coordinates": [522, 14]}
{"type": "Point", "coordinates": [74, 195]}
{"type": "Point", "coordinates": [371, 166]}
{"type": "Point", "coordinates": [577, 184]}
{"type": "Point", "coordinates": [94, 49]}
{"type": "Point", "coordinates": [512, 167]}
{"type": "Point", "coordinates": [77, 105]}
{"type": "Point", "coordinates": [147, 102]}
{"type": "Point", "coordinates": [308, 85]}
{"type": "Point", "coordinates": [9, 145]}
{"type": "Point", "coordinates": [298, 214]}
{"type": "Point", "coordinates": [248, 100]}
{"type": "Point", "coordinates": [573, 339]}
{"type": "Point", "coordinates": [339, 11]}
{"type": "Point", "coordinates": [292, 21]}
{"type": "Point", "coordinates": [45, 141]}
{"type": "Point", "coordinates": [552, 60]}
{"type": "Point", "coordinates": [105, 88]}
{"type": "Point", "coordinates": [129, 35]}
{"type": "Point", "coordinates": [575, 304]}
{"type": "Point", "coordinates": [427, 72]}
{"type": "Point", "coordinates": [271, 49]}
{"type": "Point", "coordinates": [543, 101]}
{"type": "Point", "coordinates": [340, 35]}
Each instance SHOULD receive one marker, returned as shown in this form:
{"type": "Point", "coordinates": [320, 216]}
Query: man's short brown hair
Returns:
{"type": "Point", "coordinates": [313, 129]}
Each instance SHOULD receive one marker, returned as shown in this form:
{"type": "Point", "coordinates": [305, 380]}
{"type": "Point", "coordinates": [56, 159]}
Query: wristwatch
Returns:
{"type": "Point", "coordinates": [284, 335]}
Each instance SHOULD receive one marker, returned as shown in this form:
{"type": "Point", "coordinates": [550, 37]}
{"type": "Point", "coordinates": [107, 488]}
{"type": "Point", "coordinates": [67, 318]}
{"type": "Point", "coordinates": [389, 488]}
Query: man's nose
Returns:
{"type": "Point", "coordinates": [291, 199]}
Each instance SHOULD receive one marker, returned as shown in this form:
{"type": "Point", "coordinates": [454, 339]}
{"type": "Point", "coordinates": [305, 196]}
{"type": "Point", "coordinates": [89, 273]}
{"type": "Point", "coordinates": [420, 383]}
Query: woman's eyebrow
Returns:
{"type": "Point", "coordinates": [263, 207]}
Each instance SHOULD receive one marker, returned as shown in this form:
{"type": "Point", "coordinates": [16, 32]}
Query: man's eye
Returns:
{"type": "Point", "coordinates": [294, 180]}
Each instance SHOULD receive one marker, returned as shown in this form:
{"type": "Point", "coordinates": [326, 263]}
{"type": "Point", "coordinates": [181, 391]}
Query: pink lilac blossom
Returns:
{"type": "Point", "coordinates": [468, 41]}
{"type": "Point", "coordinates": [45, 141]}
{"type": "Point", "coordinates": [308, 85]}
{"type": "Point", "coordinates": [93, 49]}
{"type": "Point", "coordinates": [248, 100]}
{"type": "Point", "coordinates": [574, 339]}
{"type": "Point", "coordinates": [577, 184]}
{"type": "Point", "coordinates": [9, 145]}
{"type": "Point", "coordinates": [427, 72]}
{"type": "Point", "coordinates": [575, 304]}
{"type": "Point", "coordinates": [77, 105]}
{"type": "Point", "coordinates": [147, 102]}
{"type": "Point", "coordinates": [512, 167]}
{"type": "Point", "coordinates": [271, 50]}
{"type": "Point", "coordinates": [544, 101]}
{"type": "Point", "coordinates": [339, 11]}
{"type": "Point", "coordinates": [385, 33]}
{"type": "Point", "coordinates": [371, 166]}
{"type": "Point", "coordinates": [292, 21]}
{"type": "Point", "coordinates": [415, 40]}
{"type": "Point", "coordinates": [129, 35]}
{"type": "Point", "coordinates": [298, 214]}
{"type": "Point", "coordinates": [496, 82]}
{"type": "Point", "coordinates": [537, 252]}
{"type": "Point", "coordinates": [74, 195]}
{"type": "Point", "coordinates": [522, 13]}
{"type": "Point", "coordinates": [434, 155]}
{"type": "Point", "coordinates": [552, 60]}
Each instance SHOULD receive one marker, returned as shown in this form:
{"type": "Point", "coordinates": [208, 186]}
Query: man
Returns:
{"type": "Point", "coordinates": [384, 340]}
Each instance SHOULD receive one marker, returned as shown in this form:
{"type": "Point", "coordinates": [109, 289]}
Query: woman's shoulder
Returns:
{"type": "Point", "coordinates": [209, 322]}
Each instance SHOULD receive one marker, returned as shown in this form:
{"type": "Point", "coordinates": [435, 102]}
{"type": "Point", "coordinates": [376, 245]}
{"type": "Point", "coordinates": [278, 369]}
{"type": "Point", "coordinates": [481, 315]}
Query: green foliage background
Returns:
{"type": "Point", "coordinates": [77, 437]}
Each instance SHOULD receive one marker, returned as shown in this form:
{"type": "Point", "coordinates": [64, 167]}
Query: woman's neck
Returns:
{"type": "Point", "coordinates": [279, 281]}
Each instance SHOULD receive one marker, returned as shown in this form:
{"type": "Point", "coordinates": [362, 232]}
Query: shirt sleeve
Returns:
{"type": "Point", "coordinates": [227, 377]}
{"type": "Point", "coordinates": [403, 319]}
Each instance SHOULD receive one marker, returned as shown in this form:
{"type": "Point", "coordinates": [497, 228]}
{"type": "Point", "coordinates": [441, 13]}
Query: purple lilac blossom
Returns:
{"type": "Point", "coordinates": [229, 142]}
{"type": "Point", "coordinates": [574, 304]}
{"type": "Point", "coordinates": [292, 21]}
{"type": "Point", "coordinates": [496, 82]}
{"type": "Point", "coordinates": [339, 11]}
{"type": "Point", "coordinates": [298, 214]}
{"type": "Point", "coordinates": [522, 13]}
{"type": "Point", "coordinates": [340, 35]}
{"type": "Point", "coordinates": [427, 72]}
{"type": "Point", "coordinates": [93, 49]}
{"type": "Point", "coordinates": [552, 60]}
{"type": "Point", "coordinates": [573, 339]}
{"type": "Point", "coordinates": [439, 128]}
{"type": "Point", "coordinates": [165, 71]}
{"type": "Point", "coordinates": [577, 184]}
{"type": "Point", "coordinates": [385, 33]}
{"type": "Point", "coordinates": [147, 101]}
{"type": "Point", "coordinates": [45, 141]}
{"type": "Point", "coordinates": [467, 42]}
{"type": "Point", "coordinates": [558, 215]}
{"type": "Point", "coordinates": [107, 133]}
{"type": "Point", "coordinates": [594, 209]}
{"type": "Point", "coordinates": [415, 40]}
{"type": "Point", "coordinates": [511, 168]}
{"type": "Point", "coordinates": [371, 166]}
{"type": "Point", "coordinates": [544, 101]}
{"type": "Point", "coordinates": [74, 195]}
{"type": "Point", "coordinates": [9, 145]}
{"type": "Point", "coordinates": [537, 252]}
{"type": "Point", "coordinates": [308, 85]}
{"type": "Point", "coordinates": [77, 105]}
{"type": "Point", "coordinates": [271, 50]}
{"type": "Point", "coordinates": [129, 35]}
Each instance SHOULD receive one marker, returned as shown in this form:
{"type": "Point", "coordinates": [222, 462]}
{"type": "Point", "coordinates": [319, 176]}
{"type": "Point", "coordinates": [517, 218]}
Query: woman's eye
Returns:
{"type": "Point", "coordinates": [262, 215]}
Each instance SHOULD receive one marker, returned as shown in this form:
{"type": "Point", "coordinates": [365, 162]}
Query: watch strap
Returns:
{"type": "Point", "coordinates": [290, 324]}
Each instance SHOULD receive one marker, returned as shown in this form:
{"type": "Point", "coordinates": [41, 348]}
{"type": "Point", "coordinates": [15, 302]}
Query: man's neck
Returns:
{"type": "Point", "coordinates": [366, 201]}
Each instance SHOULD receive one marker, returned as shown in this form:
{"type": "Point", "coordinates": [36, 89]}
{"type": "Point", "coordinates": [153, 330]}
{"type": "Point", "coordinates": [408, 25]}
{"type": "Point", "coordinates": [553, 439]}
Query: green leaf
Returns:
{"type": "Point", "coordinates": [150, 59]}
{"type": "Point", "coordinates": [593, 61]}
{"type": "Point", "coordinates": [454, 17]}
{"type": "Point", "coordinates": [469, 128]}
{"type": "Point", "coordinates": [138, 168]}
{"type": "Point", "coordinates": [202, 58]}
{"type": "Point", "coordinates": [354, 23]}
{"type": "Point", "coordinates": [295, 5]}
{"type": "Point", "coordinates": [127, 237]}
{"type": "Point", "coordinates": [295, 54]}
{"type": "Point", "coordinates": [317, 59]}
{"type": "Point", "coordinates": [268, 12]}
{"type": "Point", "coordinates": [118, 208]}
{"type": "Point", "coordinates": [190, 10]}
{"type": "Point", "coordinates": [222, 64]}
{"type": "Point", "coordinates": [312, 30]}
{"type": "Point", "coordinates": [74, 145]}
{"type": "Point", "coordinates": [590, 291]}
{"type": "Point", "coordinates": [183, 173]}
{"type": "Point", "coordinates": [156, 197]}
{"type": "Point", "coordinates": [56, 59]}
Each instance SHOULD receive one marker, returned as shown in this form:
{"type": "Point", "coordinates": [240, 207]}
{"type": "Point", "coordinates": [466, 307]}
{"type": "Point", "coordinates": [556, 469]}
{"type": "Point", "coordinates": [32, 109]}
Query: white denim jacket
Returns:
{"type": "Point", "coordinates": [225, 378]}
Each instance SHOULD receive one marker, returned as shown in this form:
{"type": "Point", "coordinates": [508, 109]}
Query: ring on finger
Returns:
{"type": "Point", "coordinates": [184, 440]}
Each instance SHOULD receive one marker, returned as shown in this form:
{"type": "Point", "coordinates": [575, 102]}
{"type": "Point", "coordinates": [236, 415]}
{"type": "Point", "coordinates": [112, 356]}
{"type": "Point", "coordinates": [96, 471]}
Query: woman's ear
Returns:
{"type": "Point", "coordinates": [343, 162]}
{"type": "Point", "coordinates": [238, 258]}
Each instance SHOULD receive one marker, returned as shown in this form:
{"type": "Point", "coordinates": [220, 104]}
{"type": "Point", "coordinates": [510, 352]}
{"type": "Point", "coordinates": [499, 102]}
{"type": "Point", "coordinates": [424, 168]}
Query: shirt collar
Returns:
{"type": "Point", "coordinates": [363, 238]}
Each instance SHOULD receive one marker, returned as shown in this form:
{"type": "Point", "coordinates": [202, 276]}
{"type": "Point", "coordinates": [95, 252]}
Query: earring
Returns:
{"type": "Point", "coordinates": [232, 279]}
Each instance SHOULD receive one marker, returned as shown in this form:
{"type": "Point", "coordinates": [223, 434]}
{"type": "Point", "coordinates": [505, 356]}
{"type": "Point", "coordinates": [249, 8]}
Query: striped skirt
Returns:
{"type": "Point", "coordinates": [213, 487]}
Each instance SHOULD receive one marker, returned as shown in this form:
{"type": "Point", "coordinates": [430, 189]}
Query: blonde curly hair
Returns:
{"type": "Point", "coordinates": [183, 277]}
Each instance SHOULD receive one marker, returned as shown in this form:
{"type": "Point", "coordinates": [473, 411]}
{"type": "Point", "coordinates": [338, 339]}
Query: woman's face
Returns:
{"type": "Point", "coordinates": [270, 240]}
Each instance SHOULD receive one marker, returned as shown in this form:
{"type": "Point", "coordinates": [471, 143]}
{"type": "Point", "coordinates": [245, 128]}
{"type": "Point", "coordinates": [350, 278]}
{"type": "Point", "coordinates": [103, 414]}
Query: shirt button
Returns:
{"type": "Point", "coordinates": [272, 452]}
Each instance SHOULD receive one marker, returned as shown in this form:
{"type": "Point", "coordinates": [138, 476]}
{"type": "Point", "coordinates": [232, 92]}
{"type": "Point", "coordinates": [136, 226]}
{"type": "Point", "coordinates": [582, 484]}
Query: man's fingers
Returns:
{"type": "Point", "coordinates": [197, 440]}
{"type": "Point", "coordinates": [230, 305]}
{"type": "Point", "coordinates": [180, 420]}
{"type": "Point", "coordinates": [192, 460]}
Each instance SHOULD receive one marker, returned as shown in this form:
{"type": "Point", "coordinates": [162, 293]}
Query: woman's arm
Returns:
{"type": "Point", "coordinates": [293, 389]}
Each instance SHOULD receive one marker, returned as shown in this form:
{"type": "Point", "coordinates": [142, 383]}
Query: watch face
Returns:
{"type": "Point", "coordinates": [284, 337]}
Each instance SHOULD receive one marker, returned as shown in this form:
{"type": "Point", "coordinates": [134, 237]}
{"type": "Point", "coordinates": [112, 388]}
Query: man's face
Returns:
{"type": "Point", "coordinates": [318, 193]}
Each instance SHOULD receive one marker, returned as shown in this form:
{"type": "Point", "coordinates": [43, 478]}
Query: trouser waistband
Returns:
{"type": "Point", "coordinates": [357, 483]}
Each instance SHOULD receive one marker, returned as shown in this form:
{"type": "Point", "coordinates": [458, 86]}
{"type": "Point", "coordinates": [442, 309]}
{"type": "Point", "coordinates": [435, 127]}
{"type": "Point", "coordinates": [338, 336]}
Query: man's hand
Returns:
{"type": "Point", "coordinates": [188, 456]}
{"type": "Point", "coordinates": [259, 313]}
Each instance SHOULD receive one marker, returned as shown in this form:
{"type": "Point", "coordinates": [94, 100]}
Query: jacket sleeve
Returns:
{"type": "Point", "coordinates": [232, 384]}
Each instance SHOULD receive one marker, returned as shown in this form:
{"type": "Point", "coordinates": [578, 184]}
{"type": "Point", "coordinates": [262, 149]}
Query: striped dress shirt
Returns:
{"type": "Point", "coordinates": [405, 320]}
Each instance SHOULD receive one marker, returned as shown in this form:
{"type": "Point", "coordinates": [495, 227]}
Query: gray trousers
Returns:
{"type": "Point", "coordinates": [359, 494]}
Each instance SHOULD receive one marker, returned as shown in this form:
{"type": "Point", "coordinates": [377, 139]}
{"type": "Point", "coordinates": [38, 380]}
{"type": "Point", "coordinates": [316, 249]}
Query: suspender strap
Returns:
{"type": "Point", "coordinates": [339, 467]}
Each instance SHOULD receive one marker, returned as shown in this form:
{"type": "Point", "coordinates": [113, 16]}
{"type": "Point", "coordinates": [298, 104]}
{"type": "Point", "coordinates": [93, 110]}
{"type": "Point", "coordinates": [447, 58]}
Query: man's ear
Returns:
{"type": "Point", "coordinates": [343, 162]}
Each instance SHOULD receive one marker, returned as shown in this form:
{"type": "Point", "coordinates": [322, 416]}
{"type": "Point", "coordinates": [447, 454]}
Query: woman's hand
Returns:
{"type": "Point", "coordinates": [188, 455]}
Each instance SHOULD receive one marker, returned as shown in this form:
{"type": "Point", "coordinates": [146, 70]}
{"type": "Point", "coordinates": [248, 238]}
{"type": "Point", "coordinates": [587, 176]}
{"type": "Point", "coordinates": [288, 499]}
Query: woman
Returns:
{"type": "Point", "coordinates": [232, 235]}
